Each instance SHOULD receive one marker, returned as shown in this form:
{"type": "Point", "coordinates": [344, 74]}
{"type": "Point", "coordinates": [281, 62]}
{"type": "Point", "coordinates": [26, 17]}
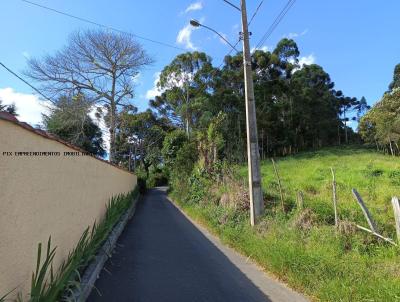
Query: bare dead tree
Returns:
{"type": "Point", "coordinates": [101, 64]}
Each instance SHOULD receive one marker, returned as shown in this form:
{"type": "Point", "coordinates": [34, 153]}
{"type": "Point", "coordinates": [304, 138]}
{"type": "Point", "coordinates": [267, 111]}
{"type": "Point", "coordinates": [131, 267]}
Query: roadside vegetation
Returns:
{"type": "Point", "coordinates": [48, 285]}
{"type": "Point", "coordinates": [193, 136]}
{"type": "Point", "coordinates": [306, 130]}
{"type": "Point", "coordinates": [302, 246]}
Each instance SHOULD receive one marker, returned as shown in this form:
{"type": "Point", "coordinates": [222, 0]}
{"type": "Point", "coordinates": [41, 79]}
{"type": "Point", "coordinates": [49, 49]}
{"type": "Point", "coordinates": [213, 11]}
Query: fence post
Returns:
{"type": "Point", "coordinates": [334, 197]}
{"type": "Point", "coordinates": [300, 200]}
{"type": "Point", "coordinates": [396, 211]}
{"type": "Point", "coordinates": [364, 208]}
{"type": "Point", "coordinates": [279, 184]}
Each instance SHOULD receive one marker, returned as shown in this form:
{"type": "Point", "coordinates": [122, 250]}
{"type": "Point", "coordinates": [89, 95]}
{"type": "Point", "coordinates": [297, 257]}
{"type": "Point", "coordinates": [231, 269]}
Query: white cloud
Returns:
{"type": "Point", "coordinates": [194, 6]}
{"type": "Point", "coordinates": [307, 60]}
{"type": "Point", "coordinates": [102, 125]}
{"type": "Point", "coordinates": [184, 37]}
{"type": "Point", "coordinates": [155, 91]}
{"type": "Point", "coordinates": [29, 107]}
{"type": "Point", "coordinates": [263, 48]}
{"type": "Point", "coordinates": [295, 35]}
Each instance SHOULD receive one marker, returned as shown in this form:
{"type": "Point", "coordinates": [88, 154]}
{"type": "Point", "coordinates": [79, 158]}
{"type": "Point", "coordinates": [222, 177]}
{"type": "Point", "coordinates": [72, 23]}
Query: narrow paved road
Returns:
{"type": "Point", "coordinates": [161, 256]}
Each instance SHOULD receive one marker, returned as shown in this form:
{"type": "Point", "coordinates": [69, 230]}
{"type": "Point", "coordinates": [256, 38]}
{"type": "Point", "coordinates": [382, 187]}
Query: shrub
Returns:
{"type": "Point", "coordinates": [157, 177]}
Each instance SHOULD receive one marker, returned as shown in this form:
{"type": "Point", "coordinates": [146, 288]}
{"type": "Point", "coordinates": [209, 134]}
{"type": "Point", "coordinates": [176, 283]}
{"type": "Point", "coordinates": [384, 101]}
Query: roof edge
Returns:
{"type": "Point", "coordinates": [12, 119]}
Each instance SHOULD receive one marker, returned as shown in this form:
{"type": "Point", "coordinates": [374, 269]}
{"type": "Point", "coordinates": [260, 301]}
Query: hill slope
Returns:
{"type": "Point", "coordinates": [375, 176]}
{"type": "Point", "coordinates": [302, 246]}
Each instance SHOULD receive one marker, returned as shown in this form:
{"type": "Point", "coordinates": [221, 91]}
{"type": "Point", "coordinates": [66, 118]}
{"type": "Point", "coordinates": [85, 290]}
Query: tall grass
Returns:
{"type": "Point", "coordinates": [374, 175]}
{"type": "Point", "coordinates": [46, 286]}
{"type": "Point", "coordinates": [302, 247]}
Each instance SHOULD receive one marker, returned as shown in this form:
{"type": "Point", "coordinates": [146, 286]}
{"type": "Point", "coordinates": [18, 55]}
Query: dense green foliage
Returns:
{"type": "Point", "coordinates": [297, 106]}
{"type": "Point", "coordinates": [297, 109]}
{"type": "Point", "coordinates": [70, 121]}
{"type": "Point", "coordinates": [381, 125]}
{"type": "Point", "coordinates": [396, 78]}
{"type": "Point", "coordinates": [47, 286]}
{"type": "Point", "coordinates": [302, 246]}
{"type": "Point", "coordinates": [185, 83]}
{"type": "Point", "coordinates": [140, 136]}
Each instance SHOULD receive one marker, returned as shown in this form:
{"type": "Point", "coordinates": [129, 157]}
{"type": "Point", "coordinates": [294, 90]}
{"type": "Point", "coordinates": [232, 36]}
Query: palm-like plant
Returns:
{"type": "Point", "coordinates": [47, 286]}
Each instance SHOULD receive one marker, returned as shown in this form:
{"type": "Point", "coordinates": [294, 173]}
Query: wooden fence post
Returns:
{"type": "Point", "coordinates": [334, 197]}
{"type": "Point", "coordinates": [300, 200]}
{"type": "Point", "coordinates": [279, 184]}
{"type": "Point", "coordinates": [376, 234]}
{"type": "Point", "coordinates": [364, 208]}
{"type": "Point", "coordinates": [396, 211]}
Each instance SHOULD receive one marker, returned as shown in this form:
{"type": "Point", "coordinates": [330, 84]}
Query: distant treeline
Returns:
{"type": "Point", "coordinates": [297, 105]}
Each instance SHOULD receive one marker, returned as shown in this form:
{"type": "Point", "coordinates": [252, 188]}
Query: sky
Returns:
{"type": "Point", "coordinates": [356, 41]}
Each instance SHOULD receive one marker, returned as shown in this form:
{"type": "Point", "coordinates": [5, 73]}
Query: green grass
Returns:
{"type": "Point", "coordinates": [375, 176]}
{"type": "Point", "coordinates": [319, 261]}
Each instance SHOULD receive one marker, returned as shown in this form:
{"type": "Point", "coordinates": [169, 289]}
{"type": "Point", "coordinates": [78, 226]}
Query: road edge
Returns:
{"type": "Point", "coordinates": [93, 270]}
{"type": "Point", "coordinates": [247, 260]}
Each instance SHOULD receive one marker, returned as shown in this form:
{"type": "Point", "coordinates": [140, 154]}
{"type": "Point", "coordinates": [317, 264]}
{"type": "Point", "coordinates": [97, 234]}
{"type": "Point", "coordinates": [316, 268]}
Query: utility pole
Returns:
{"type": "Point", "coordinates": [253, 155]}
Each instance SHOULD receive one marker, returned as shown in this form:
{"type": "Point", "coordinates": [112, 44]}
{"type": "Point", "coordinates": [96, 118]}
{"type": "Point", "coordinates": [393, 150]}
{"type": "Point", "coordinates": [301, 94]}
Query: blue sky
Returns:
{"type": "Point", "coordinates": [356, 41]}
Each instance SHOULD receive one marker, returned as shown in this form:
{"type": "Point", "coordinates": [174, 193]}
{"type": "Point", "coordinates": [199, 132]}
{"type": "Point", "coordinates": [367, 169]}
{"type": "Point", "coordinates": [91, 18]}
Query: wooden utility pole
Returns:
{"type": "Point", "coordinates": [253, 155]}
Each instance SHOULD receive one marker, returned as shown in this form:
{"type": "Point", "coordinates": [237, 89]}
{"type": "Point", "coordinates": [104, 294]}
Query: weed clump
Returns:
{"type": "Point", "coordinates": [346, 228]}
{"type": "Point", "coordinates": [305, 220]}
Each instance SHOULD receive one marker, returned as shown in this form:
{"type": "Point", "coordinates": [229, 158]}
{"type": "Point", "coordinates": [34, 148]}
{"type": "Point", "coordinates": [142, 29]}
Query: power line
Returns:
{"type": "Point", "coordinates": [230, 52]}
{"type": "Point", "coordinates": [26, 82]}
{"type": "Point", "coordinates": [103, 26]}
{"type": "Point", "coordinates": [231, 4]}
{"type": "Point", "coordinates": [276, 22]}
{"type": "Point", "coordinates": [255, 13]}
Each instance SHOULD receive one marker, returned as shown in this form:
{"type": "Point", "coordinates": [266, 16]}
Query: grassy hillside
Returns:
{"type": "Point", "coordinates": [302, 247]}
{"type": "Point", "coordinates": [375, 176]}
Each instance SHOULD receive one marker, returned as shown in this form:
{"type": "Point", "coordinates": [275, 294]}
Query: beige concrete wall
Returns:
{"type": "Point", "coordinates": [43, 196]}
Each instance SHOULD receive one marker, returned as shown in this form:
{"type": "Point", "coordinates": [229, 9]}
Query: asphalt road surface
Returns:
{"type": "Point", "coordinates": [162, 256]}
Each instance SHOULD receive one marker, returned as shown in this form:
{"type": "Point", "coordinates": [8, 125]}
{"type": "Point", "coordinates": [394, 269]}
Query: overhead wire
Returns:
{"type": "Point", "coordinates": [103, 26]}
{"type": "Point", "coordinates": [231, 4]}
{"type": "Point", "coordinates": [255, 13]}
{"type": "Point", "coordinates": [25, 81]}
{"type": "Point", "coordinates": [276, 22]}
{"type": "Point", "coordinates": [270, 30]}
